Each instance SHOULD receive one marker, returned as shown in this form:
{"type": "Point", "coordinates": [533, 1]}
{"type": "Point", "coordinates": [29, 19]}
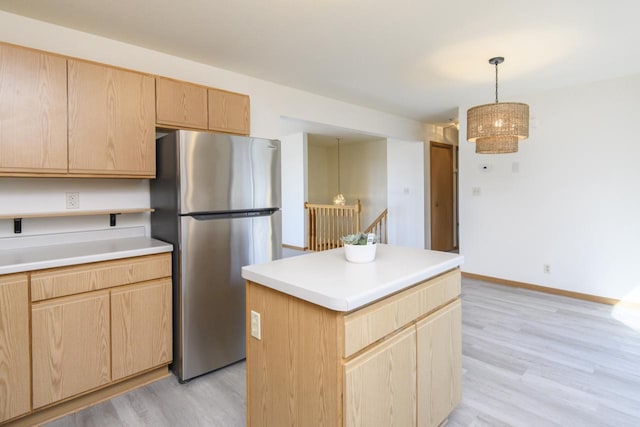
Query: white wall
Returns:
{"type": "Point", "coordinates": [32, 195]}
{"type": "Point", "coordinates": [323, 169]}
{"type": "Point", "coordinates": [575, 202]}
{"type": "Point", "coordinates": [269, 102]}
{"type": "Point", "coordinates": [364, 177]}
{"type": "Point", "coordinates": [405, 192]}
{"type": "Point", "coordinates": [294, 190]}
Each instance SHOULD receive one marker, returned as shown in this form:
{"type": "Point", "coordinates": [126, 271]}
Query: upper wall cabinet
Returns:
{"type": "Point", "coordinates": [181, 104]}
{"type": "Point", "coordinates": [228, 112]}
{"type": "Point", "coordinates": [186, 105]}
{"type": "Point", "coordinates": [111, 121]}
{"type": "Point", "coordinates": [33, 112]}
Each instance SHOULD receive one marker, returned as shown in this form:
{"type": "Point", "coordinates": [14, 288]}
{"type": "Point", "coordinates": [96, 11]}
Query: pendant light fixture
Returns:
{"type": "Point", "coordinates": [496, 128]}
{"type": "Point", "coordinates": [339, 199]}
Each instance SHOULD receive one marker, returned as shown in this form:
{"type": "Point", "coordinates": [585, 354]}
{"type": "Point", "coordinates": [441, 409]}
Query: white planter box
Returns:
{"type": "Point", "coordinates": [360, 253]}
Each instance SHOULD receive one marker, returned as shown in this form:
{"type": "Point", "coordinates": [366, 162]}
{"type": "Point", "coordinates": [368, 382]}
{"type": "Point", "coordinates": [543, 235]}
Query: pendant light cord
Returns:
{"type": "Point", "coordinates": [496, 82]}
{"type": "Point", "coordinates": [338, 164]}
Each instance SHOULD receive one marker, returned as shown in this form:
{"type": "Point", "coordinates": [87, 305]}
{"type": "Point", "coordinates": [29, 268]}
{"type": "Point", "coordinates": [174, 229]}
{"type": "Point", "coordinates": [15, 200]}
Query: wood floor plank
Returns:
{"type": "Point", "coordinates": [529, 359]}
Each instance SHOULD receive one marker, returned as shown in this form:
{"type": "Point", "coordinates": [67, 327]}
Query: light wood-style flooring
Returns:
{"type": "Point", "coordinates": [529, 359]}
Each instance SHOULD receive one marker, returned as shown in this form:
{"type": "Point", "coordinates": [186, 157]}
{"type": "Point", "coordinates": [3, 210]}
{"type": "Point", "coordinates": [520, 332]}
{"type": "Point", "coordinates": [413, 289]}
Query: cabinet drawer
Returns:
{"type": "Point", "coordinates": [63, 281]}
{"type": "Point", "coordinates": [366, 326]}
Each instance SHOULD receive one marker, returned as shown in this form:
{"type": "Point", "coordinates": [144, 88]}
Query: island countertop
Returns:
{"type": "Point", "coordinates": [327, 279]}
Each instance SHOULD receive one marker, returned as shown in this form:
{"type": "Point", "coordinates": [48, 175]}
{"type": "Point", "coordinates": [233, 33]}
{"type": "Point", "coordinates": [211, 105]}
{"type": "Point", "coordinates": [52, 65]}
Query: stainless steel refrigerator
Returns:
{"type": "Point", "coordinates": [217, 200]}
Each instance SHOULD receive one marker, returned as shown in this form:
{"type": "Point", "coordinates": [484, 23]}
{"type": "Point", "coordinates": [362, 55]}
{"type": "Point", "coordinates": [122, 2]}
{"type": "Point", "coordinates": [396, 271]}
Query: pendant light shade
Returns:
{"type": "Point", "coordinates": [497, 145]}
{"type": "Point", "coordinates": [496, 128]}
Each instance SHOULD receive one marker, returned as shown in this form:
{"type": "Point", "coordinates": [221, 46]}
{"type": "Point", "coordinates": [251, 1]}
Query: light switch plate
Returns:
{"type": "Point", "coordinates": [256, 330]}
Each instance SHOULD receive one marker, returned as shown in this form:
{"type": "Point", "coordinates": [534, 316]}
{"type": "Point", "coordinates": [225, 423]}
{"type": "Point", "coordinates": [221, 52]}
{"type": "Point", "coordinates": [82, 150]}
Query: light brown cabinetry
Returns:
{"type": "Point", "coordinates": [94, 337]}
{"type": "Point", "coordinates": [15, 372]}
{"type": "Point", "coordinates": [140, 327]}
{"type": "Point", "coordinates": [95, 330]}
{"type": "Point", "coordinates": [378, 365]}
{"type": "Point", "coordinates": [67, 117]}
{"type": "Point", "coordinates": [379, 384]}
{"type": "Point", "coordinates": [439, 349]}
{"type": "Point", "coordinates": [70, 338]}
{"type": "Point", "coordinates": [228, 112]}
{"type": "Point", "coordinates": [186, 105]}
{"type": "Point", "coordinates": [33, 111]}
{"type": "Point", "coordinates": [111, 121]}
{"type": "Point", "coordinates": [181, 104]}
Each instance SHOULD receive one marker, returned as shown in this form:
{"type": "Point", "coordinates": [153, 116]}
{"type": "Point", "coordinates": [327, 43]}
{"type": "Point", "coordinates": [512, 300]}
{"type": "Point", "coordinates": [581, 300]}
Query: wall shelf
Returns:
{"type": "Point", "coordinates": [17, 217]}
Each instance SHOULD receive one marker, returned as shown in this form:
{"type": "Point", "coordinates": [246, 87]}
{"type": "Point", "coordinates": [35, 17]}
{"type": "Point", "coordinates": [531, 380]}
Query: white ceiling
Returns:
{"type": "Point", "coordinates": [415, 58]}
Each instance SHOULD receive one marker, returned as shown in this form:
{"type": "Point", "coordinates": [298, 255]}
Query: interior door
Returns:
{"type": "Point", "coordinates": [442, 213]}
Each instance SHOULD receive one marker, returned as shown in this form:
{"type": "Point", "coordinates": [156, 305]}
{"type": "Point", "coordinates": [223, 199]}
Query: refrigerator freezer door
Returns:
{"type": "Point", "coordinates": [227, 173]}
{"type": "Point", "coordinates": [212, 252]}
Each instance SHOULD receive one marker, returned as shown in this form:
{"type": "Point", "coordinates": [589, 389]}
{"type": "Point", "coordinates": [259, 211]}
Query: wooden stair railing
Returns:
{"type": "Point", "coordinates": [379, 227]}
{"type": "Point", "coordinates": [327, 223]}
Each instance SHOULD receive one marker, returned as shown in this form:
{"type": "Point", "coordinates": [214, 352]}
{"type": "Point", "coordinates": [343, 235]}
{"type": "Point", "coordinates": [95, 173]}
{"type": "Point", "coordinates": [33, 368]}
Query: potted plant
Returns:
{"type": "Point", "coordinates": [359, 247]}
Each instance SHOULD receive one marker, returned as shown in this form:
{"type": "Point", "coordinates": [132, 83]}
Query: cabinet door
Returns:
{"type": "Point", "coordinates": [141, 327]}
{"type": "Point", "coordinates": [33, 111]}
{"type": "Point", "coordinates": [439, 364]}
{"type": "Point", "coordinates": [70, 346]}
{"type": "Point", "coordinates": [228, 112]}
{"type": "Point", "coordinates": [181, 104]}
{"type": "Point", "coordinates": [15, 375]}
{"type": "Point", "coordinates": [111, 121]}
{"type": "Point", "coordinates": [380, 384]}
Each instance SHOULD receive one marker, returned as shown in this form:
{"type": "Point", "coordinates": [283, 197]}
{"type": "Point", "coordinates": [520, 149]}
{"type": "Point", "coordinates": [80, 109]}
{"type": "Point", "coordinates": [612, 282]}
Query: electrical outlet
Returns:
{"type": "Point", "coordinates": [256, 329]}
{"type": "Point", "coordinates": [475, 191]}
{"type": "Point", "coordinates": [546, 268]}
{"type": "Point", "coordinates": [73, 200]}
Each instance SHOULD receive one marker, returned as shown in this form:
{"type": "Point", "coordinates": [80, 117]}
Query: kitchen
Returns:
{"type": "Point", "coordinates": [271, 104]}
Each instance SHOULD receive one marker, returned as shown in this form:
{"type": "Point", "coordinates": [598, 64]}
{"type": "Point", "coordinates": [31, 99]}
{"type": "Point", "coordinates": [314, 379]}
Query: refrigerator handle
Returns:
{"type": "Point", "coordinates": [233, 214]}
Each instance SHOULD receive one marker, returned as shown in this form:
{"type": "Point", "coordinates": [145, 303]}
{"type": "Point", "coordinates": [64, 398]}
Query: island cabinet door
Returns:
{"type": "Point", "coordinates": [439, 364]}
{"type": "Point", "coordinates": [380, 384]}
{"type": "Point", "coordinates": [15, 375]}
{"type": "Point", "coordinates": [70, 342]}
{"type": "Point", "coordinates": [141, 327]}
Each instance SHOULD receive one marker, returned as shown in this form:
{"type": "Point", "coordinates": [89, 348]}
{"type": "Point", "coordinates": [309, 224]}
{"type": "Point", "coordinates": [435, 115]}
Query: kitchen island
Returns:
{"type": "Point", "coordinates": [331, 343]}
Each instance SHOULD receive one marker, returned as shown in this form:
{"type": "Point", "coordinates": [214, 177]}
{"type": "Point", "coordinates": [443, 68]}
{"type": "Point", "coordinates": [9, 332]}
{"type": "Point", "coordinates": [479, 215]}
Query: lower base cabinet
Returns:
{"type": "Point", "coordinates": [92, 326]}
{"type": "Point", "coordinates": [15, 373]}
{"type": "Point", "coordinates": [378, 384]}
{"type": "Point", "coordinates": [439, 351]}
{"type": "Point", "coordinates": [70, 341]}
{"type": "Point", "coordinates": [141, 328]}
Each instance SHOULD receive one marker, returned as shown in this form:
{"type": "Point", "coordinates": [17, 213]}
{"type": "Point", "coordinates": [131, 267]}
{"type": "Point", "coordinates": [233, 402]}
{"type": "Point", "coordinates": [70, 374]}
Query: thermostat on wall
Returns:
{"type": "Point", "coordinates": [485, 167]}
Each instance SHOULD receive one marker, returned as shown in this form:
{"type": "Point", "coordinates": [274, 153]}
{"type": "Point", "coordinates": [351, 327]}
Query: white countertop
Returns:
{"type": "Point", "coordinates": [59, 251]}
{"type": "Point", "coordinates": [327, 279]}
